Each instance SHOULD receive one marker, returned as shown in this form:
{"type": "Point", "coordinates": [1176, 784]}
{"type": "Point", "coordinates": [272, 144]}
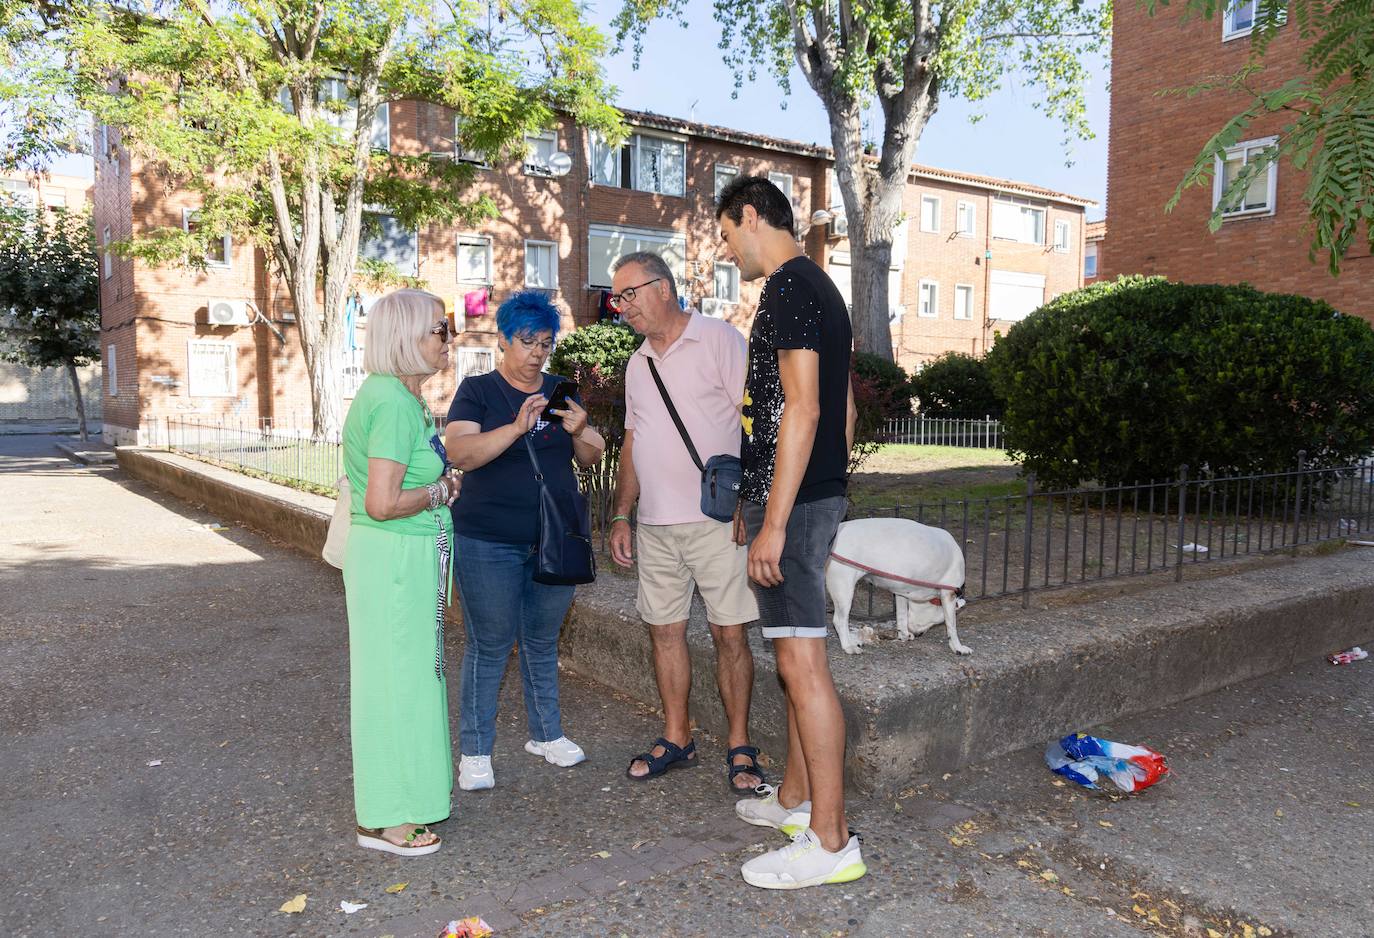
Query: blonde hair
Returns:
{"type": "Point", "coordinates": [396, 325]}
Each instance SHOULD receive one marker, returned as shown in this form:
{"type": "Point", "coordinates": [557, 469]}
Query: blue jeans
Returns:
{"type": "Point", "coordinates": [503, 604]}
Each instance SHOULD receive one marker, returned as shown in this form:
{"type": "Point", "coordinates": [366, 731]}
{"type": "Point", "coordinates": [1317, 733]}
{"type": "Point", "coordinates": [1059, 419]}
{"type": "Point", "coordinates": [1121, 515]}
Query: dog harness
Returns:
{"type": "Point", "coordinates": [935, 601]}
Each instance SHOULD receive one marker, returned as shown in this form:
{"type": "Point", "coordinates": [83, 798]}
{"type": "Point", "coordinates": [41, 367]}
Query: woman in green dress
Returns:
{"type": "Point", "coordinates": [397, 579]}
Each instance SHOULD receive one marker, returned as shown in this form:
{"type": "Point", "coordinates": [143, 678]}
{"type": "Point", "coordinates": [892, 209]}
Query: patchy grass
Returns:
{"type": "Point", "coordinates": [902, 474]}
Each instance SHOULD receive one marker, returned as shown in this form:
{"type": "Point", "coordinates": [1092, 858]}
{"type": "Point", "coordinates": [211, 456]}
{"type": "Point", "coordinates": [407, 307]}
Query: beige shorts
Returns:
{"type": "Point", "coordinates": [674, 556]}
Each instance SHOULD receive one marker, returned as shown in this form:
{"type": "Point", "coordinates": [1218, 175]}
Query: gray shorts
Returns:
{"type": "Point", "coordinates": [795, 608]}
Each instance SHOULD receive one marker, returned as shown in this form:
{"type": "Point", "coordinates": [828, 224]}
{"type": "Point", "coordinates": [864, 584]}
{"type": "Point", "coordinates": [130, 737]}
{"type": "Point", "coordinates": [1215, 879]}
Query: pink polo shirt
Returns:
{"type": "Point", "coordinates": [704, 372]}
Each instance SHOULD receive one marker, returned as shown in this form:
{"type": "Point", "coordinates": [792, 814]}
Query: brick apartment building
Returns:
{"type": "Point", "coordinates": [1154, 141]}
{"type": "Point", "coordinates": [46, 394]}
{"type": "Point", "coordinates": [974, 253]}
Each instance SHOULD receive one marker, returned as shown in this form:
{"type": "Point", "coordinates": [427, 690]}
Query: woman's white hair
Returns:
{"type": "Point", "coordinates": [396, 325]}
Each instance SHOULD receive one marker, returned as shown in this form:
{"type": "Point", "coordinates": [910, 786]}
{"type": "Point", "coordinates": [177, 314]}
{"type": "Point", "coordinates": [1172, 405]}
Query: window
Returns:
{"type": "Point", "coordinates": [541, 265]}
{"type": "Point", "coordinates": [381, 128]}
{"type": "Point", "coordinates": [111, 371]}
{"type": "Point", "coordinates": [473, 361]}
{"type": "Point", "coordinates": [783, 181]}
{"type": "Point", "coordinates": [1013, 295]}
{"type": "Point", "coordinates": [724, 176]}
{"type": "Point", "coordinates": [605, 162]}
{"type": "Point", "coordinates": [608, 242]}
{"type": "Point", "coordinates": [727, 282]}
{"type": "Point", "coordinates": [217, 253]}
{"type": "Point", "coordinates": [929, 299]}
{"type": "Point", "coordinates": [965, 219]}
{"type": "Point", "coordinates": [899, 245]}
{"type": "Point", "coordinates": [839, 224]}
{"type": "Point", "coordinates": [542, 146]}
{"type": "Point", "coordinates": [1090, 259]}
{"type": "Point", "coordinates": [108, 261]}
{"type": "Point", "coordinates": [385, 240]}
{"type": "Point", "coordinates": [102, 141]}
{"type": "Point", "coordinates": [55, 199]}
{"type": "Point", "coordinates": [1238, 20]}
{"type": "Point", "coordinates": [1061, 237]}
{"type": "Point", "coordinates": [645, 162]}
{"type": "Point", "coordinates": [930, 213]}
{"type": "Point", "coordinates": [461, 153]}
{"type": "Point", "coordinates": [210, 370]}
{"type": "Point", "coordinates": [19, 191]}
{"type": "Point", "coordinates": [1258, 198]}
{"type": "Point", "coordinates": [1017, 219]}
{"type": "Point", "coordinates": [474, 259]}
{"type": "Point", "coordinates": [963, 301]}
{"type": "Point", "coordinates": [842, 275]}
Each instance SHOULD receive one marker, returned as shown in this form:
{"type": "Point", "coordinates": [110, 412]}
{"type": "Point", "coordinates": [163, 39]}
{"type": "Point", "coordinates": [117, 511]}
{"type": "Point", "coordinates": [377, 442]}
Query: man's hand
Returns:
{"type": "Point", "coordinates": [622, 543]}
{"type": "Point", "coordinates": [765, 556]}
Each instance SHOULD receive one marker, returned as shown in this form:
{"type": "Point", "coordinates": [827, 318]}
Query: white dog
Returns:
{"type": "Point", "coordinates": [921, 566]}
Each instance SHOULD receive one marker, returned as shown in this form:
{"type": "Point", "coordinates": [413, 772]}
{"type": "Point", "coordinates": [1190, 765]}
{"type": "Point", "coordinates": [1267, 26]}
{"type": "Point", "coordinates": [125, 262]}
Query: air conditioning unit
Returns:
{"type": "Point", "coordinates": [710, 306]}
{"type": "Point", "coordinates": [228, 313]}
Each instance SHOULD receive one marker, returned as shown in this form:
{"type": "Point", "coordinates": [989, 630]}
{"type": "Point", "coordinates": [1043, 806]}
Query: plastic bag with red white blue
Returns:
{"type": "Point", "coordinates": [1085, 759]}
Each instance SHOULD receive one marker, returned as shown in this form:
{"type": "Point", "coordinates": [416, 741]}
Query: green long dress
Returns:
{"type": "Point", "coordinates": [402, 759]}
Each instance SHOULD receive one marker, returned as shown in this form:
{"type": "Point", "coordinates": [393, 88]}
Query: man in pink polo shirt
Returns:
{"type": "Point", "coordinates": [701, 363]}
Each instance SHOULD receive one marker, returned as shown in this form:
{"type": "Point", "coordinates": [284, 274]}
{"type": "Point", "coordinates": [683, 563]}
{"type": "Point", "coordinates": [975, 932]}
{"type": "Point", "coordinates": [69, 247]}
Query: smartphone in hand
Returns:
{"type": "Point", "coordinates": [558, 400]}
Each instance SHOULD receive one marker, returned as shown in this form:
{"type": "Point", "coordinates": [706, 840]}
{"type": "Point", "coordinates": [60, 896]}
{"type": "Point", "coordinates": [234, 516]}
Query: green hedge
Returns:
{"type": "Point", "coordinates": [956, 385]}
{"type": "Point", "coordinates": [1125, 381]}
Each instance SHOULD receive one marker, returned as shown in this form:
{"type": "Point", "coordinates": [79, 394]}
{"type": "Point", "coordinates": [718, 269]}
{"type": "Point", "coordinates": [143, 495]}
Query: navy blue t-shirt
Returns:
{"type": "Point", "coordinates": [500, 501]}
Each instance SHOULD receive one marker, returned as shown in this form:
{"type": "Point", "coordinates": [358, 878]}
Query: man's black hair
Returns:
{"type": "Point", "coordinates": [768, 200]}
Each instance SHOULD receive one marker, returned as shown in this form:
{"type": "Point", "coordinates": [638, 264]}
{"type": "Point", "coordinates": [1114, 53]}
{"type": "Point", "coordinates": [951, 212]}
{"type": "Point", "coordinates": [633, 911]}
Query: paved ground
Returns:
{"type": "Point", "coordinates": [132, 631]}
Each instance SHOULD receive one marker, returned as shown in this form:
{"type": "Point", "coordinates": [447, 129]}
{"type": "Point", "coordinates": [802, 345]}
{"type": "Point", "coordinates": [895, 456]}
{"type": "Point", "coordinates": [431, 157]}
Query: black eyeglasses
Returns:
{"type": "Point", "coordinates": [443, 331]}
{"type": "Point", "coordinates": [618, 300]}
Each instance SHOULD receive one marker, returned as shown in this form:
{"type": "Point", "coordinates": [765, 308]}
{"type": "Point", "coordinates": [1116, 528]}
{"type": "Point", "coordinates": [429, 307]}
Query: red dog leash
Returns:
{"type": "Point", "coordinates": [892, 576]}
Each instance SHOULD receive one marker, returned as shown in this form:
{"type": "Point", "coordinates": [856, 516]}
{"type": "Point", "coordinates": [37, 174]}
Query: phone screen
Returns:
{"type": "Point", "coordinates": [558, 400]}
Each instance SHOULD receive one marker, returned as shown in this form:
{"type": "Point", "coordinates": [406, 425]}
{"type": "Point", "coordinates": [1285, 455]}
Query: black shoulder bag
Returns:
{"type": "Point", "coordinates": [721, 476]}
{"type": "Point", "coordinates": [564, 553]}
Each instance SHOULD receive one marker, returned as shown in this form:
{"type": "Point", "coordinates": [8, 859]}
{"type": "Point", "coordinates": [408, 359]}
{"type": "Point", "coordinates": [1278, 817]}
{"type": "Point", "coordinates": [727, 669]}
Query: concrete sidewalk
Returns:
{"type": "Point", "coordinates": [136, 630]}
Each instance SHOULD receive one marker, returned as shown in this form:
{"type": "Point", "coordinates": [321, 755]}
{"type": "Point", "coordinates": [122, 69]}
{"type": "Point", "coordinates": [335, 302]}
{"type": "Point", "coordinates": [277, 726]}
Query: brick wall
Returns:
{"type": "Point", "coordinates": [1154, 141]}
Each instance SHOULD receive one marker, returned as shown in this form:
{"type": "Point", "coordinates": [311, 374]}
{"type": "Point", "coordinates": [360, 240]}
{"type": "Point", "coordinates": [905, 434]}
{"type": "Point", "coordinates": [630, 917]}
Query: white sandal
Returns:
{"type": "Point", "coordinates": [372, 839]}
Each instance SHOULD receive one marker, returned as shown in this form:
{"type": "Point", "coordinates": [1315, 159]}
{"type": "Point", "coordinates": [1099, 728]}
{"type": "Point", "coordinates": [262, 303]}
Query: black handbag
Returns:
{"type": "Point", "coordinates": [564, 555]}
{"type": "Point", "coordinates": [721, 476]}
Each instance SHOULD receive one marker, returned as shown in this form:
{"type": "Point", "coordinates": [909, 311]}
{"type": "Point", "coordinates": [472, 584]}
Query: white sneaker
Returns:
{"type": "Point", "coordinates": [804, 862]}
{"type": "Point", "coordinates": [475, 774]}
{"type": "Point", "coordinates": [766, 812]}
{"type": "Point", "coordinates": [561, 751]}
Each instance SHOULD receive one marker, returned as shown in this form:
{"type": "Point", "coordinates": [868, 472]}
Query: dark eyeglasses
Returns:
{"type": "Point", "coordinates": [617, 301]}
{"type": "Point", "coordinates": [443, 330]}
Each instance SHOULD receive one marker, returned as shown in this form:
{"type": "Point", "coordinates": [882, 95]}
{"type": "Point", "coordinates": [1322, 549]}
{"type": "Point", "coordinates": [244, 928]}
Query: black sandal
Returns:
{"type": "Point", "coordinates": [751, 767]}
{"type": "Point", "coordinates": [674, 757]}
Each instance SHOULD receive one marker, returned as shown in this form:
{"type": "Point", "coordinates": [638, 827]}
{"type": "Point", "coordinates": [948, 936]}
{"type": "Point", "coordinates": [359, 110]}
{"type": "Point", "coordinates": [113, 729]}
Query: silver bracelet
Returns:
{"type": "Point", "coordinates": [438, 493]}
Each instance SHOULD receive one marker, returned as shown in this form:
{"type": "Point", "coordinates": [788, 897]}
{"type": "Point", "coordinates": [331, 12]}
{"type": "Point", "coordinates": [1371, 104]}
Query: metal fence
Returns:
{"type": "Point", "coordinates": [1052, 538]}
{"type": "Point", "coordinates": [945, 431]}
{"type": "Point", "coordinates": [278, 453]}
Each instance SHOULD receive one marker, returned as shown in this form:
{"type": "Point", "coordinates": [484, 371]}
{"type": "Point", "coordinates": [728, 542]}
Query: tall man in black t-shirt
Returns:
{"type": "Point", "coordinates": [798, 423]}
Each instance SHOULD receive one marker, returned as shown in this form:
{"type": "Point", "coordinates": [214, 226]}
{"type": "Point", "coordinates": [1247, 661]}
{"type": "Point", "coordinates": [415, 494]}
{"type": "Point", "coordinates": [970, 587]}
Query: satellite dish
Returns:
{"type": "Point", "coordinates": [560, 164]}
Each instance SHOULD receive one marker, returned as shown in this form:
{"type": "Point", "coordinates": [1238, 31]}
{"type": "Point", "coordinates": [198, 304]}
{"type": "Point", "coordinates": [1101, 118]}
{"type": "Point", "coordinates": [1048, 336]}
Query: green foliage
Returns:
{"type": "Point", "coordinates": [595, 357]}
{"type": "Point", "coordinates": [956, 385]}
{"type": "Point", "coordinates": [905, 58]}
{"type": "Point", "coordinates": [49, 287]}
{"type": "Point", "coordinates": [1331, 132]}
{"type": "Point", "coordinates": [1125, 381]}
{"type": "Point", "coordinates": [881, 392]}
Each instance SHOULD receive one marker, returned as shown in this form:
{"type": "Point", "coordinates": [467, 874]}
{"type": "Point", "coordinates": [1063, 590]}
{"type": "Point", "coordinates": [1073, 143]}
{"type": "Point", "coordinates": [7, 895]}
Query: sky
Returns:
{"type": "Point", "coordinates": [682, 75]}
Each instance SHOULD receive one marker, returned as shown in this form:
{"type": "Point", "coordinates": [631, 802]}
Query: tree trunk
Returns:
{"type": "Point", "coordinates": [80, 406]}
{"type": "Point", "coordinates": [870, 244]}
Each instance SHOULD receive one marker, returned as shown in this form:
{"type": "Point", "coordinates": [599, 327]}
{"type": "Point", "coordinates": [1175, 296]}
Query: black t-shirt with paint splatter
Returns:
{"type": "Point", "coordinates": [800, 309]}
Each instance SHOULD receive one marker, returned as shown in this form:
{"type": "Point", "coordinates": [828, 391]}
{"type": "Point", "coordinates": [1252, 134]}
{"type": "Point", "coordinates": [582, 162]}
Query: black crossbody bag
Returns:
{"type": "Point", "coordinates": [721, 476]}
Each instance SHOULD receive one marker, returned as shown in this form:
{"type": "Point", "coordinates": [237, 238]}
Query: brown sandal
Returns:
{"type": "Point", "coordinates": [372, 839]}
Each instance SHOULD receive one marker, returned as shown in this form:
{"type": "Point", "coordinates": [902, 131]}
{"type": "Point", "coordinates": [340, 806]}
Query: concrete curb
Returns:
{"type": "Point", "coordinates": [86, 456]}
{"type": "Point", "coordinates": [914, 707]}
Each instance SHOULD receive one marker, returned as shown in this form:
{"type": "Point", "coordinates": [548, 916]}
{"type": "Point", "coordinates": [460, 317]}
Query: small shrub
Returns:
{"type": "Point", "coordinates": [881, 392]}
{"type": "Point", "coordinates": [1125, 381]}
{"type": "Point", "coordinates": [956, 385]}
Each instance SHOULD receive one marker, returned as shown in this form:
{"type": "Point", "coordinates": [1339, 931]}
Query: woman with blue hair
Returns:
{"type": "Point", "coordinates": [496, 525]}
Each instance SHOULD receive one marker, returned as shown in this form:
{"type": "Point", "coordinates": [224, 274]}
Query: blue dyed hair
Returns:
{"type": "Point", "coordinates": [527, 313]}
